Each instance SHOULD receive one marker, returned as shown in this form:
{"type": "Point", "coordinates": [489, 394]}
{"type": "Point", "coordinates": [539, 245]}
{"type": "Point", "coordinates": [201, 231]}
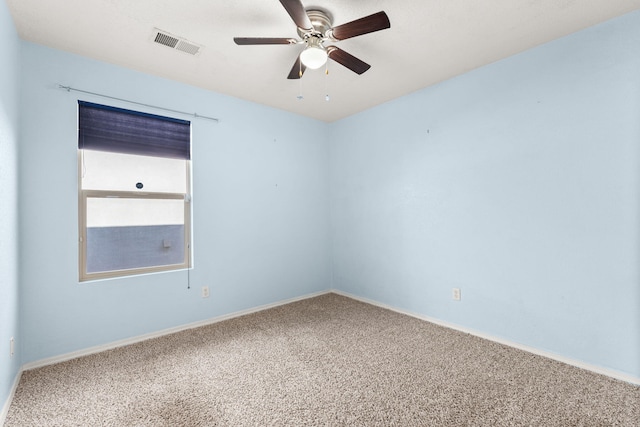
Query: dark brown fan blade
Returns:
{"type": "Point", "coordinates": [297, 70]}
{"type": "Point", "coordinates": [263, 40]}
{"type": "Point", "coordinates": [368, 24]}
{"type": "Point", "coordinates": [348, 60]}
{"type": "Point", "coordinates": [297, 13]}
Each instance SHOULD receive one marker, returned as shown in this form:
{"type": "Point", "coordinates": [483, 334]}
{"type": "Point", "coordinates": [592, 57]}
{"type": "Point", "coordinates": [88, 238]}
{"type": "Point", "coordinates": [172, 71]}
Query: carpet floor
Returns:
{"type": "Point", "coordinates": [325, 361]}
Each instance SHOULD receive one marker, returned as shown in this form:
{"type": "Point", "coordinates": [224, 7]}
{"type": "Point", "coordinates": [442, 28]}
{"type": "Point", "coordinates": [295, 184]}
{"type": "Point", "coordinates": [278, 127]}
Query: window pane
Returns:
{"type": "Point", "coordinates": [118, 212]}
{"type": "Point", "coordinates": [102, 170]}
{"type": "Point", "coordinates": [127, 233]}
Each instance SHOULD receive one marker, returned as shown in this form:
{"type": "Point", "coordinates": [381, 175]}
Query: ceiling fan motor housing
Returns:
{"type": "Point", "coordinates": [321, 22]}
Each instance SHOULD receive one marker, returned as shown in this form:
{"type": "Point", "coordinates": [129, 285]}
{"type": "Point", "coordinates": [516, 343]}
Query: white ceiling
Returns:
{"type": "Point", "coordinates": [429, 41]}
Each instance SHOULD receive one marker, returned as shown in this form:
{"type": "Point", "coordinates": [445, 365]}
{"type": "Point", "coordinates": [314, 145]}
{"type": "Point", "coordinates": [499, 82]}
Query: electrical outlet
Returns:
{"type": "Point", "coordinates": [205, 292]}
{"type": "Point", "coordinates": [456, 294]}
{"type": "Point", "coordinates": [12, 347]}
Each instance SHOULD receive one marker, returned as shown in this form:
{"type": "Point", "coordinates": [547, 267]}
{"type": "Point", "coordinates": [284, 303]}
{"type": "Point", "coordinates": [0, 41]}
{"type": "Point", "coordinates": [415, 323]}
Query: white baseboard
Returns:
{"type": "Point", "coordinates": [121, 343]}
{"type": "Point", "coordinates": [139, 338]}
{"type": "Point", "coordinates": [569, 361]}
{"type": "Point", "coordinates": [7, 404]}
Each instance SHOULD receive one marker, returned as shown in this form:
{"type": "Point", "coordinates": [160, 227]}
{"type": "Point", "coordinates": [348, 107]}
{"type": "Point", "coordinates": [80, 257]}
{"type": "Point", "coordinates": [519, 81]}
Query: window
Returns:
{"type": "Point", "coordinates": [134, 192]}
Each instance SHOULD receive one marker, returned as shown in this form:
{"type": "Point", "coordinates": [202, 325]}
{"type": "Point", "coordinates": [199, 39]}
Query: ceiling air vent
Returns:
{"type": "Point", "coordinates": [174, 42]}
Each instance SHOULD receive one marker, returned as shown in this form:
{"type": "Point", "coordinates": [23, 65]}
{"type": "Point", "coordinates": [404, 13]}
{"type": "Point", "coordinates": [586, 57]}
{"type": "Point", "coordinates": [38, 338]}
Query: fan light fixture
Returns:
{"type": "Point", "coordinates": [315, 55]}
{"type": "Point", "coordinates": [315, 27]}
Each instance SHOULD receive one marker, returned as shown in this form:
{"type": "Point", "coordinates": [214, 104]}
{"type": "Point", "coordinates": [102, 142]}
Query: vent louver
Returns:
{"type": "Point", "coordinates": [166, 40]}
{"type": "Point", "coordinates": [174, 42]}
{"type": "Point", "coordinates": [187, 47]}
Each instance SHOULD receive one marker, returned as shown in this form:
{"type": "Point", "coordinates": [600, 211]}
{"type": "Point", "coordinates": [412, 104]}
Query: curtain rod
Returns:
{"type": "Point", "coordinates": [196, 115]}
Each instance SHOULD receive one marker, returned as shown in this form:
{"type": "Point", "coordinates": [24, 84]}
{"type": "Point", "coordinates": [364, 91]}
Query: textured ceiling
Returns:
{"type": "Point", "coordinates": [429, 41]}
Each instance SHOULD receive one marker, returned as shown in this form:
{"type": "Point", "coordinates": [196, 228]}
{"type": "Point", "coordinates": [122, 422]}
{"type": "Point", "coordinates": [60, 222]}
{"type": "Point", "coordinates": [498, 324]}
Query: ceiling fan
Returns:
{"type": "Point", "coordinates": [315, 29]}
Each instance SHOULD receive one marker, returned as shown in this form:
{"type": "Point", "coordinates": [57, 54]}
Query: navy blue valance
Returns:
{"type": "Point", "coordinates": [117, 130]}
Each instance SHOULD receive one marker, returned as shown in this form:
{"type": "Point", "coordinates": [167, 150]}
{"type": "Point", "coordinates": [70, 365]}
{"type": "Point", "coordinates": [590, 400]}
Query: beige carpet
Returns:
{"type": "Point", "coordinates": [326, 361]}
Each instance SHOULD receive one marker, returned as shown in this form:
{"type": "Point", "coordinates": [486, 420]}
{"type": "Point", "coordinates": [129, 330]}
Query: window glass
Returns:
{"type": "Point", "coordinates": [121, 212]}
{"type": "Point", "coordinates": [103, 170]}
{"type": "Point", "coordinates": [127, 233]}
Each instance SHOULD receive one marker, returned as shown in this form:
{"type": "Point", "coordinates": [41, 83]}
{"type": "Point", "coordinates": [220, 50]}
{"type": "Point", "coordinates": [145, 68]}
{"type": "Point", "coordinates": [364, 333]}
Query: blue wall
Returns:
{"type": "Point", "coordinates": [9, 302]}
{"type": "Point", "coordinates": [260, 209]}
{"type": "Point", "coordinates": [518, 183]}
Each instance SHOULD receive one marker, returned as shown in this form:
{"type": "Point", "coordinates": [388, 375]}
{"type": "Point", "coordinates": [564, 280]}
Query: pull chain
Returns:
{"type": "Point", "coordinates": [326, 82]}
{"type": "Point", "coordinates": [300, 97]}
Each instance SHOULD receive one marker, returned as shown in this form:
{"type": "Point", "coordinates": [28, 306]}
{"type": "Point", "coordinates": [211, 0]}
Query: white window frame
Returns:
{"type": "Point", "coordinates": [82, 224]}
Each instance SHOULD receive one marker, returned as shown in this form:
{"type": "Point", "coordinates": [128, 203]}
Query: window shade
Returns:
{"type": "Point", "coordinates": [118, 130]}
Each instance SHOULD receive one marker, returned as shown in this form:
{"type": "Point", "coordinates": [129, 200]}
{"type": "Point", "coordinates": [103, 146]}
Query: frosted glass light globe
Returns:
{"type": "Point", "coordinates": [313, 57]}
